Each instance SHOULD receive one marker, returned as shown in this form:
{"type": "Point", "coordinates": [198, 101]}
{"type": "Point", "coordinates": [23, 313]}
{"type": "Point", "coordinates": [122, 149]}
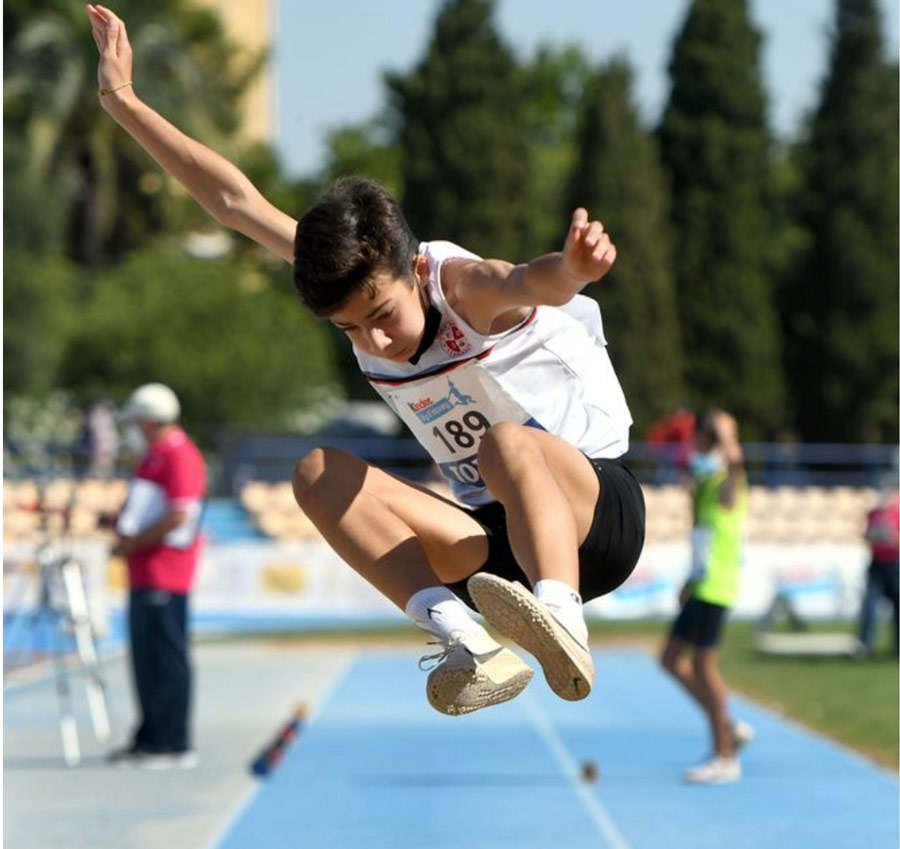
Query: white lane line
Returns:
{"type": "Point", "coordinates": [260, 784]}
{"type": "Point", "coordinates": [595, 808]}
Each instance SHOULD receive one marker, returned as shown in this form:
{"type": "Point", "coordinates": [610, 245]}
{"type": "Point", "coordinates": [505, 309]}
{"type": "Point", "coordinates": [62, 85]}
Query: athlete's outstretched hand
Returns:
{"type": "Point", "coordinates": [111, 39]}
{"type": "Point", "coordinates": [588, 253]}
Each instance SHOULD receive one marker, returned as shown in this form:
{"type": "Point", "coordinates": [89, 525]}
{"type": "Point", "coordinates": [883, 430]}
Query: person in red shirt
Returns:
{"type": "Point", "coordinates": [158, 536]}
{"type": "Point", "coordinates": [882, 532]}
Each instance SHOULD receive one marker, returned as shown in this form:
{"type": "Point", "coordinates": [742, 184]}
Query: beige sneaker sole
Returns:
{"type": "Point", "coordinates": [515, 612]}
{"type": "Point", "coordinates": [460, 690]}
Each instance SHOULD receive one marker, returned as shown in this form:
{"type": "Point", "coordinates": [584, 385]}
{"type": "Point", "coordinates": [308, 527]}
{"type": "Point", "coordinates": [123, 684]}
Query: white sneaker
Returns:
{"type": "Point", "coordinates": [514, 611]}
{"type": "Point", "coordinates": [463, 681]}
{"type": "Point", "coordinates": [741, 733]}
{"type": "Point", "coordinates": [168, 760]}
{"type": "Point", "coordinates": [717, 770]}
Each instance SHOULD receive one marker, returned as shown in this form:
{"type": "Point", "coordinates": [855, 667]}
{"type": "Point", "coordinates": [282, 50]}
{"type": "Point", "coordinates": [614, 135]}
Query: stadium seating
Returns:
{"type": "Point", "coordinates": [778, 514]}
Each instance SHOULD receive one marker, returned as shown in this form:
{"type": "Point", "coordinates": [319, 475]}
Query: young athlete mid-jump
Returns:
{"type": "Point", "coordinates": [527, 433]}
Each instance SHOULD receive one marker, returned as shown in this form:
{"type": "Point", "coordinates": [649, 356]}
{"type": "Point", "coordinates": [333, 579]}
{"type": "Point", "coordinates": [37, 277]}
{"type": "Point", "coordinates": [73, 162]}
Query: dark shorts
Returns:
{"type": "Point", "coordinates": [609, 552]}
{"type": "Point", "coordinates": [700, 623]}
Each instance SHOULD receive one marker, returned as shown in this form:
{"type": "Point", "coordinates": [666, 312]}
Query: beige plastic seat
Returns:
{"type": "Point", "coordinates": [272, 524]}
{"type": "Point", "coordinates": [21, 523]}
{"type": "Point", "coordinates": [815, 500]}
{"type": "Point", "coordinates": [282, 498]}
{"type": "Point", "coordinates": [844, 500]}
{"type": "Point", "coordinates": [91, 495]}
{"type": "Point", "coordinates": [255, 496]}
{"type": "Point", "coordinates": [58, 494]}
{"type": "Point", "coordinates": [786, 501]}
{"type": "Point", "coordinates": [780, 528]}
{"type": "Point", "coordinates": [651, 497]}
{"type": "Point", "coordinates": [807, 528]}
{"type": "Point", "coordinates": [869, 499]}
{"type": "Point", "coordinates": [758, 500]}
{"type": "Point", "coordinates": [10, 494]}
{"type": "Point", "coordinates": [82, 522]}
{"type": "Point", "coordinates": [26, 493]}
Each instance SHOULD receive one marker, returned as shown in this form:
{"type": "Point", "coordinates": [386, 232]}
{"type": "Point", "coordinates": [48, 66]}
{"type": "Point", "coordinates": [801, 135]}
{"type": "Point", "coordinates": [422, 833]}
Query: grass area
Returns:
{"type": "Point", "coordinates": [854, 702]}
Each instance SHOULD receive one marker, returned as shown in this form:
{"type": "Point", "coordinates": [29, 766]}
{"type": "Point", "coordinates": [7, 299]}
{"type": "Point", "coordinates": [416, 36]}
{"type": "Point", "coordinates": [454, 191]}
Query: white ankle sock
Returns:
{"type": "Point", "coordinates": [565, 605]}
{"type": "Point", "coordinates": [439, 612]}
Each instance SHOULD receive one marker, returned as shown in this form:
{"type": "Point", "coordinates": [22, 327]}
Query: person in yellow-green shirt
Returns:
{"type": "Point", "coordinates": [720, 510]}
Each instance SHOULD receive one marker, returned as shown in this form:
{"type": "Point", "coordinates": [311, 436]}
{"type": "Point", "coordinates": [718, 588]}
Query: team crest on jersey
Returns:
{"type": "Point", "coordinates": [428, 409]}
{"type": "Point", "coordinates": [453, 340]}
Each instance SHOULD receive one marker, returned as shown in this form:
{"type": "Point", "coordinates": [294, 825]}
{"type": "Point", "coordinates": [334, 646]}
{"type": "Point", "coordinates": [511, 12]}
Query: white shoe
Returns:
{"type": "Point", "coordinates": [187, 759]}
{"type": "Point", "coordinates": [741, 733]}
{"type": "Point", "coordinates": [514, 611]}
{"type": "Point", "coordinates": [717, 770]}
{"type": "Point", "coordinates": [463, 681]}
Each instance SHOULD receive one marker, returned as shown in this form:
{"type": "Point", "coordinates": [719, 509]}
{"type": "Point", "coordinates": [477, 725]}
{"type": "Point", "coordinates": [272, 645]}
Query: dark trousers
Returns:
{"type": "Point", "coordinates": [157, 628]}
{"type": "Point", "coordinates": [881, 582]}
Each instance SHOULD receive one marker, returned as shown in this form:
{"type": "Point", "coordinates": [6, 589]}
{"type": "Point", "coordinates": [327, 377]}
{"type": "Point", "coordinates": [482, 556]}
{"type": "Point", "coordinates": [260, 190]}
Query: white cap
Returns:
{"type": "Point", "coordinates": [152, 402]}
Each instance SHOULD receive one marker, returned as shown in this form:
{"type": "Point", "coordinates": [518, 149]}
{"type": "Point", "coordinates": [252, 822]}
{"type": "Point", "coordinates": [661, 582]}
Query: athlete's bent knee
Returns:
{"type": "Point", "coordinates": [505, 444]}
{"type": "Point", "coordinates": [313, 468]}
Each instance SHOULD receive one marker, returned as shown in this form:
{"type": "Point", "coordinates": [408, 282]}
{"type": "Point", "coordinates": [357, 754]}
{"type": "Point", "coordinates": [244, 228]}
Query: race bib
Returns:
{"type": "Point", "coordinates": [450, 413]}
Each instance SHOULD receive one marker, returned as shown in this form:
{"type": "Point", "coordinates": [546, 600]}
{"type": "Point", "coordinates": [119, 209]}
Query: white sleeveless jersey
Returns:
{"type": "Point", "coordinates": [551, 371]}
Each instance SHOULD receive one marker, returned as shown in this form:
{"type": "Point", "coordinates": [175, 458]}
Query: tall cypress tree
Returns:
{"type": "Point", "coordinates": [841, 307]}
{"type": "Point", "coordinates": [715, 146]}
{"type": "Point", "coordinates": [462, 135]}
{"type": "Point", "coordinates": [618, 178]}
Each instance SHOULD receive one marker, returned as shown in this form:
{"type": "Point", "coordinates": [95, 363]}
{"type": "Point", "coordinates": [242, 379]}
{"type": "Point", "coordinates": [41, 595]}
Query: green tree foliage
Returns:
{"type": "Point", "coordinates": [32, 217]}
{"type": "Point", "coordinates": [555, 80]}
{"type": "Point", "coordinates": [715, 147]}
{"type": "Point", "coordinates": [618, 178]}
{"type": "Point", "coordinates": [110, 192]}
{"type": "Point", "coordinates": [38, 314]}
{"type": "Point", "coordinates": [367, 148]}
{"type": "Point", "coordinates": [235, 349]}
{"type": "Point", "coordinates": [462, 135]}
{"type": "Point", "coordinates": [841, 307]}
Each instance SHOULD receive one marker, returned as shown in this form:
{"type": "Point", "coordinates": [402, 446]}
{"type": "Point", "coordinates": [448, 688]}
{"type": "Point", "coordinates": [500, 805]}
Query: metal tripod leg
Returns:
{"type": "Point", "coordinates": [76, 601]}
{"type": "Point", "coordinates": [67, 725]}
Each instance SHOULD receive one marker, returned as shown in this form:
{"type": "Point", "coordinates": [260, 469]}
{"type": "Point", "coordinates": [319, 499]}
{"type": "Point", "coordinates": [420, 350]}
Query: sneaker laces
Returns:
{"type": "Point", "coordinates": [438, 658]}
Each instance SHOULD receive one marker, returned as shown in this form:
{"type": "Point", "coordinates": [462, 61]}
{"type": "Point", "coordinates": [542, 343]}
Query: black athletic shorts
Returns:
{"type": "Point", "coordinates": [700, 623]}
{"type": "Point", "coordinates": [609, 552]}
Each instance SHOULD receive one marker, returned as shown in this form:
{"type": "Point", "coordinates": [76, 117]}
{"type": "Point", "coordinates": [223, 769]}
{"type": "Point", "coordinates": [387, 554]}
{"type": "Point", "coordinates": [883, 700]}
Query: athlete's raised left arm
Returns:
{"type": "Point", "coordinates": [488, 288]}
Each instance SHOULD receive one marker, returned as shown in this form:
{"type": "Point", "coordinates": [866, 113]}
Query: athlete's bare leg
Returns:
{"type": "Point", "coordinates": [676, 662]}
{"type": "Point", "coordinates": [702, 680]}
{"type": "Point", "coordinates": [406, 541]}
{"type": "Point", "coordinates": [549, 490]}
{"type": "Point", "coordinates": [706, 668]}
{"type": "Point", "coordinates": [400, 537]}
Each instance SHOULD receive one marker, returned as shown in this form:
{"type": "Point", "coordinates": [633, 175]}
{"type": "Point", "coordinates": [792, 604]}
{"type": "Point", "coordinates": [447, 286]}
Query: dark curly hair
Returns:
{"type": "Point", "coordinates": [355, 231]}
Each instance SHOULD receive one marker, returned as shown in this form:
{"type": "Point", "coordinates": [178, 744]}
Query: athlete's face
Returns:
{"type": "Point", "coordinates": [389, 323]}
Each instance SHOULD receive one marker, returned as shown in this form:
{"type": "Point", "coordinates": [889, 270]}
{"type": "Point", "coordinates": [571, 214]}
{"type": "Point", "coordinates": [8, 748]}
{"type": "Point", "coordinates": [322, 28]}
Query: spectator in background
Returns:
{"type": "Point", "coordinates": [672, 438]}
{"type": "Point", "coordinates": [882, 579]}
{"type": "Point", "coordinates": [103, 439]}
{"type": "Point", "coordinates": [720, 510]}
{"type": "Point", "coordinates": [158, 535]}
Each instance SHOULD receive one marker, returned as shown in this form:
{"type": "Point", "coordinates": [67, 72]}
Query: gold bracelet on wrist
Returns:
{"type": "Point", "coordinates": [104, 91]}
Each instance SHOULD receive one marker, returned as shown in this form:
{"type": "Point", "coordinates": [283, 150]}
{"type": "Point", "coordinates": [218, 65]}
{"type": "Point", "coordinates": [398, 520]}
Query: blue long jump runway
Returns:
{"type": "Point", "coordinates": [377, 767]}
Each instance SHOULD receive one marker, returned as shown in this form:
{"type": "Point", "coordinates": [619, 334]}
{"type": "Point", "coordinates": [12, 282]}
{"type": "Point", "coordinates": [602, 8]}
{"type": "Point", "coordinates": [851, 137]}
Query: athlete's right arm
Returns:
{"type": "Point", "coordinates": [726, 429]}
{"type": "Point", "coordinates": [214, 182]}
